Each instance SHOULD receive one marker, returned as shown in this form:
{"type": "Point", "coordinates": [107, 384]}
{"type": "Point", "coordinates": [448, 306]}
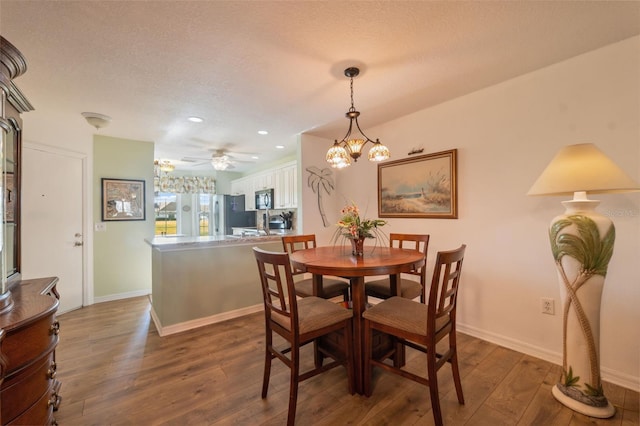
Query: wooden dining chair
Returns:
{"type": "Point", "coordinates": [421, 326]}
{"type": "Point", "coordinates": [298, 322]}
{"type": "Point", "coordinates": [331, 286]}
{"type": "Point", "coordinates": [410, 288]}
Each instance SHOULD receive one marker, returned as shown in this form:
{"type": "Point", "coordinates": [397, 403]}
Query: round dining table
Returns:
{"type": "Point", "coordinates": [338, 261]}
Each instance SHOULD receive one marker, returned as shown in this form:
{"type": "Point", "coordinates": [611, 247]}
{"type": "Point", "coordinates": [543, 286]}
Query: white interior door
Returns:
{"type": "Point", "coordinates": [51, 209]}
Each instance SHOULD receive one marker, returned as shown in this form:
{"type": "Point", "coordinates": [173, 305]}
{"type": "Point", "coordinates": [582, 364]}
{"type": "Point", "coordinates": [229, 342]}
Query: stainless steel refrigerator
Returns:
{"type": "Point", "coordinates": [229, 212]}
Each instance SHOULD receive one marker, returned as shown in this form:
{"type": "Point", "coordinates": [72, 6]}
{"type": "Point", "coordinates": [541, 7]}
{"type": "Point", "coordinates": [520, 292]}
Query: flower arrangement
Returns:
{"type": "Point", "coordinates": [351, 226]}
{"type": "Point", "coordinates": [355, 229]}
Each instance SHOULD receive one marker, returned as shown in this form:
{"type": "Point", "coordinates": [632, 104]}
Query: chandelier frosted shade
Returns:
{"type": "Point", "coordinates": [338, 157]}
{"type": "Point", "coordinates": [355, 147]}
{"type": "Point", "coordinates": [379, 152]}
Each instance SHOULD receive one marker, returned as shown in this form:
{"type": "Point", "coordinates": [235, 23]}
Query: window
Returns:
{"type": "Point", "coordinates": [165, 213]}
{"type": "Point", "coordinates": [204, 214]}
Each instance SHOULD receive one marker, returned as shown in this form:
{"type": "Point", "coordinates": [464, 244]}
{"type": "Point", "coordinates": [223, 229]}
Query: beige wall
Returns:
{"type": "Point", "coordinates": [121, 258]}
{"type": "Point", "coordinates": [505, 136]}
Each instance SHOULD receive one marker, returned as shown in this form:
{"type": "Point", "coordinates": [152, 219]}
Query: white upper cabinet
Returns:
{"type": "Point", "coordinates": [286, 189]}
{"type": "Point", "coordinates": [283, 179]}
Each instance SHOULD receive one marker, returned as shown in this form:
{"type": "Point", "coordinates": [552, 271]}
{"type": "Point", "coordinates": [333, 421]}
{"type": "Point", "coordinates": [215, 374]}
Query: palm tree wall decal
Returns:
{"type": "Point", "coordinates": [320, 181]}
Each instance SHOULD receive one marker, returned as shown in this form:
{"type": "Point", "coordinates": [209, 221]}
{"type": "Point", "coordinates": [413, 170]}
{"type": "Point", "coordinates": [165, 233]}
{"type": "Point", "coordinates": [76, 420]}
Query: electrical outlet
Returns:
{"type": "Point", "coordinates": [547, 306]}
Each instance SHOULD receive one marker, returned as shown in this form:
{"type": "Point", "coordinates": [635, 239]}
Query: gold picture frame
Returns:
{"type": "Point", "coordinates": [419, 187]}
{"type": "Point", "coordinates": [123, 199]}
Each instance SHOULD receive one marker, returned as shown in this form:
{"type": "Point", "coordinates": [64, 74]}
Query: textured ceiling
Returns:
{"type": "Point", "coordinates": [246, 66]}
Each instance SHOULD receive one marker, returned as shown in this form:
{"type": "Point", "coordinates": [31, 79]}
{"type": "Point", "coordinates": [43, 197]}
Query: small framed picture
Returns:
{"type": "Point", "coordinates": [123, 199]}
{"type": "Point", "coordinates": [419, 187]}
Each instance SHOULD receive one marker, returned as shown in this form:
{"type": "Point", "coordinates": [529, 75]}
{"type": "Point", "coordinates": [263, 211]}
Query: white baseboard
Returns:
{"type": "Point", "coordinates": [121, 296]}
{"type": "Point", "coordinates": [612, 376]}
{"type": "Point", "coordinates": [188, 325]}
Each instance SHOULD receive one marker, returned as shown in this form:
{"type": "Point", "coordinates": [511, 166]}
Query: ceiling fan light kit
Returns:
{"type": "Point", "coordinates": [220, 164]}
{"type": "Point", "coordinates": [350, 147]}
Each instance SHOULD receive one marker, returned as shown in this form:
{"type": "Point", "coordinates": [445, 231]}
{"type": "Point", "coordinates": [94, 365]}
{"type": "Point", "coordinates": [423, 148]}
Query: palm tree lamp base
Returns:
{"type": "Point", "coordinates": [581, 407]}
{"type": "Point", "coordinates": [582, 245]}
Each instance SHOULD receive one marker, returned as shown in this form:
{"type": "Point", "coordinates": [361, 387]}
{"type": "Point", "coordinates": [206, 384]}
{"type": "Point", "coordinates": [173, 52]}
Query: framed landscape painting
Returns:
{"type": "Point", "coordinates": [419, 187]}
{"type": "Point", "coordinates": [122, 199]}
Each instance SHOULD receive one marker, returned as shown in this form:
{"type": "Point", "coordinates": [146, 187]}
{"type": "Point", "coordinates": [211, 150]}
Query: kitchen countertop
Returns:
{"type": "Point", "coordinates": [189, 243]}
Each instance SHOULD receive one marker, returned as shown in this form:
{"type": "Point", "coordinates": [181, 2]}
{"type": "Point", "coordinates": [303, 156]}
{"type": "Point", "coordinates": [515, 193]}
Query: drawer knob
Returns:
{"type": "Point", "coordinates": [51, 373]}
{"type": "Point", "coordinates": [54, 401]}
{"type": "Point", "coordinates": [55, 328]}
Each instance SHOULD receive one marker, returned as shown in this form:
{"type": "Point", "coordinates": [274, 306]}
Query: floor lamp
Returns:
{"type": "Point", "coordinates": [582, 245]}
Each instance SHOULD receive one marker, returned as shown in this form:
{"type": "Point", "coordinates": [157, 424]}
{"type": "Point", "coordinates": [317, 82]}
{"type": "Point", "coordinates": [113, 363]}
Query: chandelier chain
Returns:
{"type": "Point", "coordinates": [351, 85]}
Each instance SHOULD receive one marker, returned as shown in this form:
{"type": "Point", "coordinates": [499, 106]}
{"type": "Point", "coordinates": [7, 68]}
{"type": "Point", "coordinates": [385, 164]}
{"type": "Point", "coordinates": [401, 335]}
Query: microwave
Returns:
{"type": "Point", "coordinates": [264, 199]}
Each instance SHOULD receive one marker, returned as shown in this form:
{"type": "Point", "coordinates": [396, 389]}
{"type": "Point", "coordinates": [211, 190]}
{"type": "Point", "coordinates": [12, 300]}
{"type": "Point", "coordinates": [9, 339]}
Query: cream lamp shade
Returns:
{"type": "Point", "coordinates": [582, 168]}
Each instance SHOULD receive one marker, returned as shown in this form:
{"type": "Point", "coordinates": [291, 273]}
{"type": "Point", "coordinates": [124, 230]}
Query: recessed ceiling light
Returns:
{"type": "Point", "coordinates": [255, 157]}
{"type": "Point", "coordinates": [195, 119]}
{"type": "Point", "coordinates": [263, 132]}
{"type": "Point", "coordinates": [279, 146]}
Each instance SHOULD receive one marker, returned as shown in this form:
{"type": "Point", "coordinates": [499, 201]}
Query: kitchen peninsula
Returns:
{"type": "Point", "coordinates": [202, 280]}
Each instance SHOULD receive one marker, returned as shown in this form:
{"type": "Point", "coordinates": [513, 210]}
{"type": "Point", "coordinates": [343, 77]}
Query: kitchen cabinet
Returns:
{"type": "Point", "coordinates": [283, 179]}
{"type": "Point", "coordinates": [286, 189]}
{"type": "Point", "coordinates": [264, 180]}
{"type": "Point", "coordinates": [244, 186]}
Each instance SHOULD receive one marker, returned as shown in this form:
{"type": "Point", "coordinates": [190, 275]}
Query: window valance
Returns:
{"type": "Point", "coordinates": [184, 184]}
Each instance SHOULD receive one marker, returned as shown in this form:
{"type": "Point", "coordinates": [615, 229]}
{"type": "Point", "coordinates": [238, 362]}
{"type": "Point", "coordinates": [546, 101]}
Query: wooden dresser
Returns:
{"type": "Point", "coordinates": [30, 392]}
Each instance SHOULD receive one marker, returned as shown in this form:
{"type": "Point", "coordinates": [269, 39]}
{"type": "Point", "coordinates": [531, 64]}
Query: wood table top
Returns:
{"type": "Point", "coordinates": [338, 260]}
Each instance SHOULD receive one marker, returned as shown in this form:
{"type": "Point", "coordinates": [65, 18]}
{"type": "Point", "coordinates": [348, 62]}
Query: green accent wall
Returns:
{"type": "Point", "coordinates": [121, 257]}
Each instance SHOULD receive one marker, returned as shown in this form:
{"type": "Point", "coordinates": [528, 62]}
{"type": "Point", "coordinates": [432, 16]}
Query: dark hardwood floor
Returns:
{"type": "Point", "coordinates": [116, 370]}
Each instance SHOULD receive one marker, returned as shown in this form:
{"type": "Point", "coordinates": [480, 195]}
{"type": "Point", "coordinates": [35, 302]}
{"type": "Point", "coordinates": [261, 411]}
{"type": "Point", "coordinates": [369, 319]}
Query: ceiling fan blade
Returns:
{"type": "Point", "coordinates": [194, 159]}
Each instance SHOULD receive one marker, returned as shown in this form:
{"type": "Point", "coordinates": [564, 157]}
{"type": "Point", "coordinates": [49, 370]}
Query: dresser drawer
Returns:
{"type": "Point", "coordinates": [22, 390]}
{"type": "Point", "coordinates": [40, 413]}
{"type": "Point", "coordinates": [29, 341]}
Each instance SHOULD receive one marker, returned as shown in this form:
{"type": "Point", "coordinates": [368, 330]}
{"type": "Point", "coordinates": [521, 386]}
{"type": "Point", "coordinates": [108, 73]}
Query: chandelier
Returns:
{"type": "Point", "coordinates": [163, 166]}
{"type": "Point", "coordinates": [350, 147]}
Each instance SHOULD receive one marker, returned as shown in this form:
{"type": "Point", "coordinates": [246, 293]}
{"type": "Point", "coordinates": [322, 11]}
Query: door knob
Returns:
{"type": "Point", "coordinates": [77, 244]}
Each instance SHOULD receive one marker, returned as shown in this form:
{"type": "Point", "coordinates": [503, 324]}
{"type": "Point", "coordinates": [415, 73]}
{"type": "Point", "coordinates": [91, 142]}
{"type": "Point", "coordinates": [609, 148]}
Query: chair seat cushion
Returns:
{"type": "Point", "coordinates": [403, 314]}
{"type": "Point", "coordinates": [314, 313]}
{"type": "Point", "coordinates": [382, 288]}
{"type": "Point", "coordinates": [331, 287]}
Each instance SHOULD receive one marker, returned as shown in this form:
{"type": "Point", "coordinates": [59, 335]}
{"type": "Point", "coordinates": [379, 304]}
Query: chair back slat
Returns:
{"type": "Point", "coordinates": [292, 243]}
{"type": "Point", "coordinates": [443, 294]}
{"type": "Point", "coordinates": [419, 243]}
{"type": "Point", "coordinates": [416, 242]}
{"type": "Point", "coordinates": [276, 279]}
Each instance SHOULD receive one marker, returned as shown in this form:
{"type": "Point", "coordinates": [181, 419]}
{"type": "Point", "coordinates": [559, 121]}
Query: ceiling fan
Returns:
{"type": "Point", "coordinates": [221, 159]}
